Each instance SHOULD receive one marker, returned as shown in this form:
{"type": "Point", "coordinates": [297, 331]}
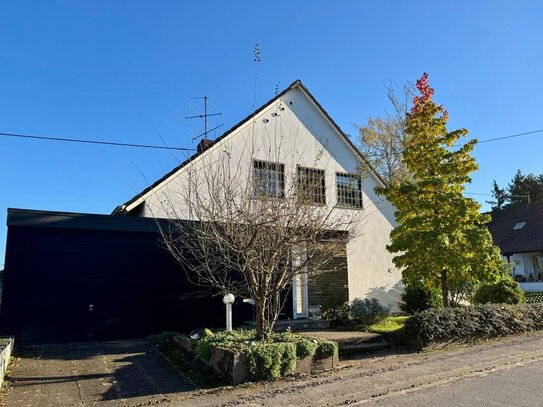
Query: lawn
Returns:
{"type": "Point", "coordinates": [388, 325]}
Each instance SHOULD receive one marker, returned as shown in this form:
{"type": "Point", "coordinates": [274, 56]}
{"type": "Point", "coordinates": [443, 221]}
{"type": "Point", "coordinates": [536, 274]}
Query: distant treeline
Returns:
{"type": "Point", "coordinates": [523, 188]}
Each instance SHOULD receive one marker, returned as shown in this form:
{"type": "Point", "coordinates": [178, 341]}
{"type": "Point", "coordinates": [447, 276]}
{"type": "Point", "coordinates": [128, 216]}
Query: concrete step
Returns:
{"type": "Point", "coordinates": [353, 343]}
{"type": "Point", "coordinates": [349, 351]}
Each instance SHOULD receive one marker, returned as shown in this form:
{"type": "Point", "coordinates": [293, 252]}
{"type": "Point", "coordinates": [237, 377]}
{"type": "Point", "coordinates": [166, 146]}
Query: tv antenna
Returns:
{"type": "Point", "coordinates": [204, 116]}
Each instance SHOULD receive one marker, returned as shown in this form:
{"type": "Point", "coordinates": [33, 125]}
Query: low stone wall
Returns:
{"type": "Point", "coordinates": [230, 365]}
{"type": "Point", "coordinates": [6, 347]}
{"type": "Point", "coordinates": [185, 342]}
{"type": "Point", "coordinates": [311, 364]}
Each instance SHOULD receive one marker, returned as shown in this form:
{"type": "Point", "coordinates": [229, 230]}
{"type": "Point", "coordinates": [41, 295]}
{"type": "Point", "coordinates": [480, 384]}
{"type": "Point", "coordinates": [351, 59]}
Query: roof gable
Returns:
{"type": "Point", "coordinates": [295, 85]}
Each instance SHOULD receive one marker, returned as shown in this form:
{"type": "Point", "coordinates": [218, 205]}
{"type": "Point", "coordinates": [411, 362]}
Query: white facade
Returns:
{"type": "Point", "coordinates": [294, 131]}
{"type": "Point", "coordinates": [527, 269]}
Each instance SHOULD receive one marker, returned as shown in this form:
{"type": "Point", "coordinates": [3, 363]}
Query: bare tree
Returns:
{"type": "Point", "coordinates": [250, 226]}
{"type": "Point", "coordinates": [382, 138]}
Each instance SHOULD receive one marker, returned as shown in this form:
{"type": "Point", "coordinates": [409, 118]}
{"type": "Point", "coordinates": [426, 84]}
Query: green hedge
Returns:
{"type": "Point", "coordinates": [437, 327]}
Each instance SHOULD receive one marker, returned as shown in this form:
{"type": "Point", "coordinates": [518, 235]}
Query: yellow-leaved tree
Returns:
{"type": "Point", "coordinates": [441, 239]}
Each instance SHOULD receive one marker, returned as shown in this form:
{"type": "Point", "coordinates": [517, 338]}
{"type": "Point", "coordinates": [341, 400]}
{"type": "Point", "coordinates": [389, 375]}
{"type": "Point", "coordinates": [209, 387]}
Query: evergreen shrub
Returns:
{"type": "Point", "coordinates": [505, 291]}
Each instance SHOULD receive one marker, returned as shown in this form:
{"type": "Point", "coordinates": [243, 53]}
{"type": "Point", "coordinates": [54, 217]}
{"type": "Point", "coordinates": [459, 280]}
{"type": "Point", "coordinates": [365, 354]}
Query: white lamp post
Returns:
{"type": "Point", "coordinates": [228, 299]}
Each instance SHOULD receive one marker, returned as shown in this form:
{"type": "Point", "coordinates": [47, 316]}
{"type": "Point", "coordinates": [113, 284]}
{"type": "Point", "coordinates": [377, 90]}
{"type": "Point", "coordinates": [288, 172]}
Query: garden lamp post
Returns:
{"type": "Point", "coordinates": [228, 300]}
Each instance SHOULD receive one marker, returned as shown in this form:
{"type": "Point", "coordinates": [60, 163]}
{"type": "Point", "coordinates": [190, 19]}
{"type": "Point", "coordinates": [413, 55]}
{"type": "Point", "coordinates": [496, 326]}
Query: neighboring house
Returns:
{"type": "Point", "coordinates": [293, 136]}
{"type": "Point", "coordinates": [518, 232]}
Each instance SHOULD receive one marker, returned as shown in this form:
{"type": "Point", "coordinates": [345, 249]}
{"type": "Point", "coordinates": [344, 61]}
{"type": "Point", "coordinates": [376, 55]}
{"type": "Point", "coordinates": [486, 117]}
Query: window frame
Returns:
{"type": "Point", "coordinates": [261, 167]}
{"type": "Point", "coordinates": [316, 180]}
{"type": "Point", "coordinates": [342, 192]}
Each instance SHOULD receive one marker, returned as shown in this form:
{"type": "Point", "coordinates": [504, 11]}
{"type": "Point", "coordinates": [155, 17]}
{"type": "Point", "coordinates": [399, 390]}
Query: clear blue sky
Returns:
{"type": "Point", "coordinates": [113, 70]}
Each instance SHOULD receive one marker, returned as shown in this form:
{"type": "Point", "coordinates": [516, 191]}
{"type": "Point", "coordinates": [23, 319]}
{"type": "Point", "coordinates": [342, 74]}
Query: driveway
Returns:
{"type": "Point", "coordinates": [122, 373]}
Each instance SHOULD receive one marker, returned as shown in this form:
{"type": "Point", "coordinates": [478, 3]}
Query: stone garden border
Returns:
{"type": "Point", "coordinates": [6, 348]}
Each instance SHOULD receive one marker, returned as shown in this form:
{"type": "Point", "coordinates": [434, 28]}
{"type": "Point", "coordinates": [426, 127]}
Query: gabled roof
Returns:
{"type": "Point", "coordinates": [525, 239]}
{"type": "Point", "coordinates": [296, 84]}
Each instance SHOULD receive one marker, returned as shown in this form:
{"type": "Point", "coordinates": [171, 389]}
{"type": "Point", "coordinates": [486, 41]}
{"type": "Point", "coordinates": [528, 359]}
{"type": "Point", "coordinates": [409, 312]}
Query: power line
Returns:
{"type": "Point", "coordinates": [107, 143]}
{"type": "Point", "coordinates": [504, 137]}
{"type": "Point", "coordinates": [511, 136]}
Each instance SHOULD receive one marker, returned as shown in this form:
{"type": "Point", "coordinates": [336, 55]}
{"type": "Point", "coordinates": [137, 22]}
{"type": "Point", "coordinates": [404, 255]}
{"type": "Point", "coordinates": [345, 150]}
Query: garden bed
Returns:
{"type": "Point", "coordinates": [239, 357]}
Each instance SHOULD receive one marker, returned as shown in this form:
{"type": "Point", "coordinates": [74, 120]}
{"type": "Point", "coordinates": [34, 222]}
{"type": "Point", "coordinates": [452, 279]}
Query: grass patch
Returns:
{"type": "Point", "coordinates": [388, 325]}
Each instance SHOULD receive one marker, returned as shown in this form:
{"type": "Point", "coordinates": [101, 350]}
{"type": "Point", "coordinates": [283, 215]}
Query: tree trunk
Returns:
{"type": "Point", "coordinates": [260, 317]}
{"type": "Point", "coordinates": [445, 289]}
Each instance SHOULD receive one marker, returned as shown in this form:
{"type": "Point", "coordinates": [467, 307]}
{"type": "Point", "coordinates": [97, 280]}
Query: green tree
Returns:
{"type": "Point", "coordinates": [525, 188]}
{"type": "Point", "coordinates": [499, 197]}
{"type": "Point", "coordinates": [441, 239]}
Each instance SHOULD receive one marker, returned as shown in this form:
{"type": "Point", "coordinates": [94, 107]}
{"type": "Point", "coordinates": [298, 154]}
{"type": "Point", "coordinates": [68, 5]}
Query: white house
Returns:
{"type": "Point", "coordinates": [518, 232]}
{"type": "Point", "coordinates": [291, 135]}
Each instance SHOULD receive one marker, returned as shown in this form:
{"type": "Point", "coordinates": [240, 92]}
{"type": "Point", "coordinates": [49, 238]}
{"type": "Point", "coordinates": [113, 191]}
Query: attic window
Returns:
{"type": "Point", "coordinates": [519, 225]}
{"type": "Point", "coordinates": [349, 190]}
{"type": "Point", "coordinates": [269, 179]}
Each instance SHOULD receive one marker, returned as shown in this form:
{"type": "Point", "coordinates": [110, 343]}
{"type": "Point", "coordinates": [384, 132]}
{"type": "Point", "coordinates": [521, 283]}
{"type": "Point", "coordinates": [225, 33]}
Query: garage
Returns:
{"type": "Point", "coordinates": [73, 277]}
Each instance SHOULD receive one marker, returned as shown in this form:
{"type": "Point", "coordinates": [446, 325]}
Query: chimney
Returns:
{"type": "Point", "coordinates": [203, 145]}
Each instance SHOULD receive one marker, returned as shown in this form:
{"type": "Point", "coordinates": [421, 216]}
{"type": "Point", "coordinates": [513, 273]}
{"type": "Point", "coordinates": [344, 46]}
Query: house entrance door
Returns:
{"type": "Point", "coordinates": [299, 284]}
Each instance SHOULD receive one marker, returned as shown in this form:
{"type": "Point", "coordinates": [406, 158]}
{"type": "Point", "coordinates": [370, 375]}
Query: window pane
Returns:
{"type": "Point", "coordinates": [269, 179]}
{"type": "Point", "coordinates": [311, 185]}
{"type": "Point", "coordinates": [349, 190]}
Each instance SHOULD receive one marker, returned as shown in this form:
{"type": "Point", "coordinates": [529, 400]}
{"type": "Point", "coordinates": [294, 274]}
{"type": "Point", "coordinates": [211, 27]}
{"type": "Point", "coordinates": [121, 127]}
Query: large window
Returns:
{"type": "Point", "coordinates": [349, 190]}
{"type": "Point", "coordinates": [311, 185]}
{"type": "Point", "coordinates": [269, 179]}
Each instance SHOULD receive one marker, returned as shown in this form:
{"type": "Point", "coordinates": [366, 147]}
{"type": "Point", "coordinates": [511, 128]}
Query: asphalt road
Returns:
{"type": "Point", "coordinates": [520, 386]}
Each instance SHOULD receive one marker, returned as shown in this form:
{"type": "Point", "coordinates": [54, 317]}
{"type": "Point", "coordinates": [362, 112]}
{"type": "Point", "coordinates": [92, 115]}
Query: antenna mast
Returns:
{"type": "Point", "coordinates": [204, 116]}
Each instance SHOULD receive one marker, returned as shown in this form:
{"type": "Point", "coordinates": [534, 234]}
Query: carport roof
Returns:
{"type": "Point", "coordinates": [74, 220]}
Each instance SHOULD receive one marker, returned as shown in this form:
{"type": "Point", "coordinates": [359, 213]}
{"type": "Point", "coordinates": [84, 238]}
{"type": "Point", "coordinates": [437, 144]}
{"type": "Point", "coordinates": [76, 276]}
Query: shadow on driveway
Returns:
{"type": "Point", "coordinates": [94, 373]}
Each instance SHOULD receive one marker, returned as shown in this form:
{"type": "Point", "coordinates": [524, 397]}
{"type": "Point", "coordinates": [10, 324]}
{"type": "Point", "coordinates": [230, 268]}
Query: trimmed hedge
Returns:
{"type": "Point", "coordinates": [439, 327]}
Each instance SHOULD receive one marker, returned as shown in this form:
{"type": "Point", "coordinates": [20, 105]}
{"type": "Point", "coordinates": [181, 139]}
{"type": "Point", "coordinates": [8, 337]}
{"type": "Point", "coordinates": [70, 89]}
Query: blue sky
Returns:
{"type": "Point", "coordinates": [115, 70]}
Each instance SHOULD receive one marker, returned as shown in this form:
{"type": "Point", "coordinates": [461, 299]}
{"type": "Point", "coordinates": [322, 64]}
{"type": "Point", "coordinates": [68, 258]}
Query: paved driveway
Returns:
{"type": "Point", "coordinates": [123, 373]}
